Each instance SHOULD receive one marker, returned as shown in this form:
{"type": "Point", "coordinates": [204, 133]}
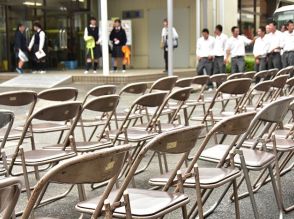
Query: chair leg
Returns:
{"type": "Point", "coordinates": [198, 192]}
{"type": "Point", "coordinates": [127, 205]}
{"type": "Point", "coordinates": [108, 211]}
{"type": "Point", "coordinates": [275, 188]}
{"type": "Point", "coordinates": [237, 207]}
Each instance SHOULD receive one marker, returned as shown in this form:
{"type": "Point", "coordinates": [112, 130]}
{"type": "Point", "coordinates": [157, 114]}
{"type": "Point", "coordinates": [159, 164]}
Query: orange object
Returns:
{"type": "Point", "coordinates": [127, 54]}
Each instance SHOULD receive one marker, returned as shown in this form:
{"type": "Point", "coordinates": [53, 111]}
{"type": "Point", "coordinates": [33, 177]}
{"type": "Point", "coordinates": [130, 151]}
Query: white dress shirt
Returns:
{"type": "Point", "coordinates": [288, 41]}
{"type": "Point", "coordinates": [275, 40]}
{"type": "Point", "coordinates": [220, 45]}
{"type": "Point", "coordinates": [86, 34]}
{"type": "Point", "coordinates": [42, 40]}
{"type": "Point", "coordinates": [205, 47]}
{"type": "Point", "coordinates": [236, 45]}
{"type": "Point", "coordinates": [164, 34]}
{"type": "Point", "coordinates": [261, 47]}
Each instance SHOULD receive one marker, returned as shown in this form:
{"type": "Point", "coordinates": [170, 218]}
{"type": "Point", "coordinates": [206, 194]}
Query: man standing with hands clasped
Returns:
{"type": "Point", "coordinates": [275, 38]}
{"type": "Point", "coordinates": [235, 48]}
{"type": "Point", "coordinates": [205, 45]}
{"type": "Point", "coordinates": [260, 49]}
{"type": "Point", "coordinates": [219, 50]}
{"type": "Point", "coordinates": [288, 44]}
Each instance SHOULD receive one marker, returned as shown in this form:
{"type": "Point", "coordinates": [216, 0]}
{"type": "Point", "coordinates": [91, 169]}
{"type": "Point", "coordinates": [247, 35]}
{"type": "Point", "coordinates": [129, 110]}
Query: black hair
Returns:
{"type": "Point", "coordinates": [262, 28]}
{"type": "Point", "coordinates": [273, 23]}
{"type": "Point", "coordinates": [117, 20]}
{"type": "Point", "coordinates": [205, 30]}
{"type": "Point", "coordinates": [37, 24]}
{"type": "Point", "coordinates": [19, 25]}
{"type": "Point", "coordinates": [289, 22]}
{"type": "Point", "coordinates": [165, 20]}
{"type": "Point", "coordinates": [219, 28]}
{"type": "Point", "coordinates": [234, 28]}
{"type": "Point", "coordinates": [92, 19]}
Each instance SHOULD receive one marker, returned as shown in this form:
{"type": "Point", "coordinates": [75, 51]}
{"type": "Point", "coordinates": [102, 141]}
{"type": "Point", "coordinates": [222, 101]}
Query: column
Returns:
{"type": "Point", "coordinates": [170, 15]}
{"type": "Point", "coordinates": [104, 35]}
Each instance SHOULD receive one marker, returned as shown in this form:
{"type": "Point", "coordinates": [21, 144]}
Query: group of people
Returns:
{"type": "Point", "coordinates": [271, 49]}
{"type": "Point", "coordinates": [35, 50]}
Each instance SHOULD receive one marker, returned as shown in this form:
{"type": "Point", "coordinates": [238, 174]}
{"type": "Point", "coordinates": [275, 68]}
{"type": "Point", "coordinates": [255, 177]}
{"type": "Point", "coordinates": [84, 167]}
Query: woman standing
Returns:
{"type": "Point", "coordinates": [20, 48]}
{"type": "Point", "coordinates": [37, 48]}
{"type": "Point", "coordinates": [118, 38]}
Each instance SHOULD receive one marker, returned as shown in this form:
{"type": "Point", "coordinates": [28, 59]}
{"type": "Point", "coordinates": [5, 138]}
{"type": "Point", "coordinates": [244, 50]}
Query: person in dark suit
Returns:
{"type": "Point", "coordinates": [20, 45]}
{"type": "Point", "coordinates": [118, 38]}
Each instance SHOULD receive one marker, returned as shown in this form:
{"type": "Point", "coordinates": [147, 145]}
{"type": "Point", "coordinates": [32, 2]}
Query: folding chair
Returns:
{"type": "Point", "coordinates": [254, 159]}
{"type": "Point", "coordinates": [272, 73]}
{"type": "Point", "coordinates": [10, 189]}
{"type": "Point", "coordinates": [53, 95]}
{"type": "Point", "coordinates": [278, 85]}
{"type": "Point", "coordinates": [218, 79]}
{"type": "Point", "coordinates": [95, 167]}
{"type": "Point", "coordinates": [41, 157]}
{"type": "Point", "coordinates": [262, 76]}
{"type": "Point", "coordinates": [150, 203]}
{"type": "Point", "coordinates": [6, 120]}
{"type": "Point", "coordinates": [290, 84]}
{"type": "Point", "coordinates": [100, 105]}
{"type": "Point", "coordinates": [184, 82]}
{"type": "Point", "coordinates": [99, 120]}
{"type": "Point", "coordinates": [210, 178]}
{"type": "Point", "coordinates": [13, 100]}
{"type": "Point", "coordinates": [249, 74]}
{"type": "Point", "coordinates": [235, 76]}
{"type": "Point", "coordinates": [164, 84]}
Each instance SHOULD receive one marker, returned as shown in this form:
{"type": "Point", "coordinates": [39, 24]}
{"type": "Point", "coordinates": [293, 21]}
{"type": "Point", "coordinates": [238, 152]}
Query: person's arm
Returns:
{"type": "Point", "coordinates": [175, 33]}
{"type": "Point", "coordinates": [247, 41]}
{"type": "Point", "coordinates": [86, 34]}
{"type": "Point", "coordinates": [111, 37]}
{"type": "Point", "coordinates": [17, 41]}
{"type": "Point", "coordinates": [228, 51]}
{"type": "Point", "coordinates": [124, 37]}
{"type": "Point", "coordinates": [99, 41]}
{"type": "Point", "coordinates": [31, 43]}
{"type": "Point", "coordinates": [198, 49]}
{"type": "Point", "coordinates": [42, 40]}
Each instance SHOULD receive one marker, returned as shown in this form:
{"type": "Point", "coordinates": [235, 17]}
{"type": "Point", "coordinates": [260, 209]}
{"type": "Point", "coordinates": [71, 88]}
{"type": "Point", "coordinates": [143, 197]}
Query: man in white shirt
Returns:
{"type": "Point", "coordinates": [235, 48]}
{"type": "Point", "coordinates": [205, 45]}
{"type": "Point", "coordinates": [219, 65]}
{"type": "Point", "coordinates": [288, 45]}
{"type": "Point", "coordinates": [164, 42]}
{"type": "Point", "coordinates": [37, 46]}
{"type": "Point", "coordinates": [275, 38]}
{"type": "Point", "coordinates": [260, 50]}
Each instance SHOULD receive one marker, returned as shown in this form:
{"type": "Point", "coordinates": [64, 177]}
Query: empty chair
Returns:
{"type": "Point", "coordinates": [95, 167]}
{"type": "Point", "coordinates": [164, 84]}
{"type": "Point", "coordinates": [272, 73]}
{"type": "Point", "coordinates": [151, 203]}
{"type": "Point", "coordinates": [249, 74]}
{"type": "Point", "coordinates": [10, 189]}
{"type": "Point", "coordinates": [278, 85]}
{"type": "Point", "coordinates": [261, 76]}
{"type": "Point", "coordinates": [218, 79]}
{"type": "Point", "coordinates": [99, 120]}
{"type": "Point", "coordinates": [184, 82]}
{"type": "Point", "coordinates": [235, 76]}
{"type": "Point", "coordinates": [290, 83]}
{"type": "Point", "coordinates": [210, 178]}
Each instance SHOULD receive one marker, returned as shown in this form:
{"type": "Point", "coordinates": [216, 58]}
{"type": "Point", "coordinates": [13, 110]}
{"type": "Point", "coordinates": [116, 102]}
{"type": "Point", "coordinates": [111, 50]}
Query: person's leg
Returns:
{"type": "Point", "coordinates": [124, 63]}
{"type": "Point", "coordinates": [200, 67]}
{"type": "Point", "coordinates": [216, 66]}
{"type": "Point", "coordinates": [290, 59]}
{"type": "Point", "coordinates": [234, 66]}
{"type": "Point", "coordinates": [284, 58]}
{"type": "Point", "coordinates": [209, 70]}
{"type": "Point", "coordinates": [241, 64]}
{"type": "Point", "coordinates": [166, 60]}
{"type": "Point", "coordinates": [270, 61]}
{"type": "Point", "coordinates": [262, 64]}
{"type": "Point", "coordinates": [277, 62]}
{"type": "Point", "coordinates": [115, 63]}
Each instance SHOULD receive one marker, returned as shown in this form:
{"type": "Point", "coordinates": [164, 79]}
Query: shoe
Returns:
{"type": "Point", "coordinates": [123, 71]}
{"type": "Point", "coordinates": [86, 72]}
{"type": "Point", "coordinates": [19, 70]}
{"type": "Point", "coordinates": [42, 72]}
{"type": "Point", "coordinates": [94, 72]}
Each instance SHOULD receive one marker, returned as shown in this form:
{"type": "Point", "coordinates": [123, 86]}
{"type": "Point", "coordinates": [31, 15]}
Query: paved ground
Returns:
{"type": "Point", "coordinates": [65, 208]}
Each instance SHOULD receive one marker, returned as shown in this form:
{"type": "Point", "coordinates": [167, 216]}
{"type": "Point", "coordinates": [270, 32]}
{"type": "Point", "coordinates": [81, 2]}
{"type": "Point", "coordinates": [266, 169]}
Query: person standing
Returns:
{"type": "Point", "coordinates": [219, 65]}
{"type": "Point", "coordinates": [36, 46]}
{"type": "Point", "coordinates": [118, 38]}
{"type": "Point", "coordinates": [205, 52]}
{"type": "Point", "coordinates": [275, 38]}
{"type": "Point", "coordinates": [235, 48]}
{"type": "Point", "coordinates": [93, 41]}
{"type": "Point", "coordinates": [260, 50]}
{"type": "Point", "coordinates": [20, 46]}
{"type": "Point", "coordinates": [164, 42]}
{"type": "Point", "coordinates": [288, 45]}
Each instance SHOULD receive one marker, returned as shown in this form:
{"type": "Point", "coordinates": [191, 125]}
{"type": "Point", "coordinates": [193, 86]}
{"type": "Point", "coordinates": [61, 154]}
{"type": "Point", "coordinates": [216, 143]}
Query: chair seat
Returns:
{"type": "Point", "coordinates": [282, 144]}
{"type": "Point", "coordinates": [49, 127]}
{"type": "Point", "coordinates": [208, 177]}
{"type": "Point", "coordinates": [133, 135]}
{"type": "Point", "coordinates": [152, 110]}
{"type": "Point", "coordinates": [2, 171]}
{"type": "Point", "coordinates": [144, 203]}
{"type": "Point", "coordinates": [164, 127]}
{"type": "Point", "coordinates": [194, 103]}
{"type": "Point", "coordinates": [14, 134]}
{"type": "Point", "coordinates": [120, 116]}
{"type": "Point", "coordinates": [82, 146]}
{"type": "Point", "coordinates": [91, 122]}
{"type": "Point", "coordinates": [41, 157]}
{"type": "Point", "coordinates": [255, 159]}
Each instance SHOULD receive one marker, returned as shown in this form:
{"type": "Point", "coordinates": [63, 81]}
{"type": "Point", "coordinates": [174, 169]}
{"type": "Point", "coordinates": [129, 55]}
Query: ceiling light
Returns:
{"type": "Point", "coordinates": [32, 3]}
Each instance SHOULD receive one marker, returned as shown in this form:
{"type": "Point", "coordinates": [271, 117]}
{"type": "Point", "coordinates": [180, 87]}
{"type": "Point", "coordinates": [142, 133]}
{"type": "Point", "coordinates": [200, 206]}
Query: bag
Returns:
{"type": "Point", "coordinates": [176, 43]}
{"type": "Point", "coordinates": [22, 56]}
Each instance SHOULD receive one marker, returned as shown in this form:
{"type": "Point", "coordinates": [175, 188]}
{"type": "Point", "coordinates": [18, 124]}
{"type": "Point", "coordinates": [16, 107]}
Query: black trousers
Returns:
{"type": "Point", "coordinates": [165, 56]}
{"type": "Point", "coordinates": [274, 60]}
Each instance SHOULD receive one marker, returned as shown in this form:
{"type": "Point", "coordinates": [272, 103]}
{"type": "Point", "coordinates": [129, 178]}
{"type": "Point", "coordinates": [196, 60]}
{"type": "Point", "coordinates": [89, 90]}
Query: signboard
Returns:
{"type": "Point", "coordinates": [126, 25]}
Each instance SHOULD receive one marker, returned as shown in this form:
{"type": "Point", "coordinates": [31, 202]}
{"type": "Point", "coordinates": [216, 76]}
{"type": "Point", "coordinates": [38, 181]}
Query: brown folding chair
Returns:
{"type": "Point", "coordinates": [35, 157]}
{"type": "Point", "coordinates": [290, 84]}
{"type": "Point", "coordinates": [272, 73]}
{"type": "Point", "coordinates": [249, 74]}
{"type": "Point", "coordinates": [53, 95]}
{"type": "Point", "coordinates": [235, 76]}
{"type": "Point", "coordinates": [262, 76]}
{"type": "Point", "coordinates": [16, 100]}
{"type": "Point", "coordinates": [99, 120]}
{"type": "Point", "coordinates": [101, 166]}
{"type": "Point", "coordinates": [210, 178]}
{"type": "Point", "coordinates": [6, 121]}
{"type": "Point", "coordinates": [278, 85]}
{"type": "Point", "coordinates": [184, 82]}
{"type": "Point", "coordinates": [10, 189]}
{"type": "Point", "coordinates": [151, 203]}
{"type": "Point", "coordinates": [164, 84]}
{"type": "Point", "coordinates": [257, 157]}
{"type": "Point", "coordinates": [218, 79]}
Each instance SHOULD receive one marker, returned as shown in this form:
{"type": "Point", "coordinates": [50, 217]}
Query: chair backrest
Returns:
{"type": "Point", "coordinates": [218, 78]}
{"type": "Point", "coordinates": [59, 94]}
{"type": "Point", "coordinates": [184, 82]}
{"type": "Point", "coordinates": [283, 71]}
{"type": "Point", "coordinates": [200, 80]}
{"type": "Point", "coordinates": [104, 104]}
{"type": "Point", "coordinates": [235, 86]}
{"type": "Point", "coordinates": [235, 76]}
{"type": "Point", "coordinates": [151, 99]}
{"type": "Point", "coordinates": [6, 117]}
{"type": "Point", "coordinates": [95, 167]}
{"type": "Point", "coordinates": [100, 91]}
{"type": "Point", "coordinates": [164, 84]}
{"type": "Point", "coordinates": [263, 86]}
{"type": "Point", "coordinates": [134, 88]}
{"type": "Point", "coordinates": [261, 74]}
{"type": "Point", "coordinates": [249, 74]}
{"type": "Point", "coordinates": [272, 72]}
{"type": "Point", "coordinates": [10, 189]}
{"type": "Point", "coordinates": [280, 81]}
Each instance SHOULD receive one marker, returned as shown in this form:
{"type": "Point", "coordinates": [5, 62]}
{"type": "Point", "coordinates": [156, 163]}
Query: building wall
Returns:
{"type": "Point", "coordinates": [140, 26]}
